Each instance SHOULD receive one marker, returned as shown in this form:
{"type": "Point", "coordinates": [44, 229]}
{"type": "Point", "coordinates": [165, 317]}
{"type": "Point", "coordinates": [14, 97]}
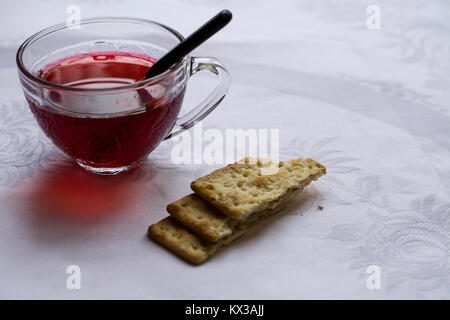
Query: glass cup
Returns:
{"type": "Point", "coordinates": [112, 129]}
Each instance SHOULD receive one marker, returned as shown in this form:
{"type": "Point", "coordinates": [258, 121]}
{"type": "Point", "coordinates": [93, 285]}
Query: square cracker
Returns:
{"type": "Point", "coordinates": [172, 235]}
{"type": "Point", "coordinates": [206, 221]}
{"type": "Point", "coordinates": [241, 189]}
{"type": "Point", "coordinates": [201, 217]}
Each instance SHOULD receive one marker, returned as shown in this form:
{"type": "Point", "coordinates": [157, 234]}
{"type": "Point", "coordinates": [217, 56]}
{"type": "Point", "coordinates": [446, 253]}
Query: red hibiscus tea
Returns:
{"type": "Point", "coordinates": [106, 129]}
{"type": "Point", "coordinates": [84, 86]}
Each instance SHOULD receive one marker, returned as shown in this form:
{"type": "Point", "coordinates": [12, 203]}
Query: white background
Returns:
{"type": "Point", "coordinates": [371, 105]}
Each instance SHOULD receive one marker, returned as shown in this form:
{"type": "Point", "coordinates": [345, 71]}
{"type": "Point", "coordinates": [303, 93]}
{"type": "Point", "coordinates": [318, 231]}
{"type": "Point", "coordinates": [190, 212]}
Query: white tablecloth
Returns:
{"type": "Point", "coordinates": [371, 105]}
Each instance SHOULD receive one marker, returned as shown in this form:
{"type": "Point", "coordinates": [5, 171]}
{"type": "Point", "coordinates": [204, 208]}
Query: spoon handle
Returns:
{"type": "Point", "coordinates": [190, 43]}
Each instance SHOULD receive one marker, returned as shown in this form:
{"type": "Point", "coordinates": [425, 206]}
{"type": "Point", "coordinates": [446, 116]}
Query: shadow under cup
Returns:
{"type": "Point", "coordinates": [83, 84]}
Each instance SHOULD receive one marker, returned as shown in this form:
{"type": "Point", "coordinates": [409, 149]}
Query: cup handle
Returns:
{"type": "Point", "coordinates": [205, 107]}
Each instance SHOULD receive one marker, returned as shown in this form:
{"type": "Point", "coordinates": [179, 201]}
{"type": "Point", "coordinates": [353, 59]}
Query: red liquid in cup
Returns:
{"type": "Point", "coordinates": [106, 141]}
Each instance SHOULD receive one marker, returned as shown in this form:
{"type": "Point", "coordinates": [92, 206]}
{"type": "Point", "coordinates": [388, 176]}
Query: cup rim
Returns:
{"type": "Point", "coordinates": [57, 27]}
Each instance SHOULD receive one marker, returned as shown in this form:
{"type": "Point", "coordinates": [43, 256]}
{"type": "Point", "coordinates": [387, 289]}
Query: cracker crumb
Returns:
{"type": "Point", "coordinates": [320, 207]}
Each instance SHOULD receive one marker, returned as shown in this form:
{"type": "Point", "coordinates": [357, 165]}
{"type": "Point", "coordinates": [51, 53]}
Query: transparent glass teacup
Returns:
{"type": "Point", "coordinates": [110, 125]}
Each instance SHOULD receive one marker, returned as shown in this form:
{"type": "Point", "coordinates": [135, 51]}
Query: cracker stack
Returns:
{"type": "Point", "coordinates": [227, 201]}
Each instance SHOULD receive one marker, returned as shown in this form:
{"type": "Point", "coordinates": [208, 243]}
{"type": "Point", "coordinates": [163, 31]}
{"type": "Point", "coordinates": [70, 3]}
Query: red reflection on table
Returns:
{"type": "Point", "coordinates": [69, 192]}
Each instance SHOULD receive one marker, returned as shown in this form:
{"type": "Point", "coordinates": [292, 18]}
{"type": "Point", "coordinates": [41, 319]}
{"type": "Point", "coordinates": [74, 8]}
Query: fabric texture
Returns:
{"type": "Point", "coordinates": [370, 105]}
